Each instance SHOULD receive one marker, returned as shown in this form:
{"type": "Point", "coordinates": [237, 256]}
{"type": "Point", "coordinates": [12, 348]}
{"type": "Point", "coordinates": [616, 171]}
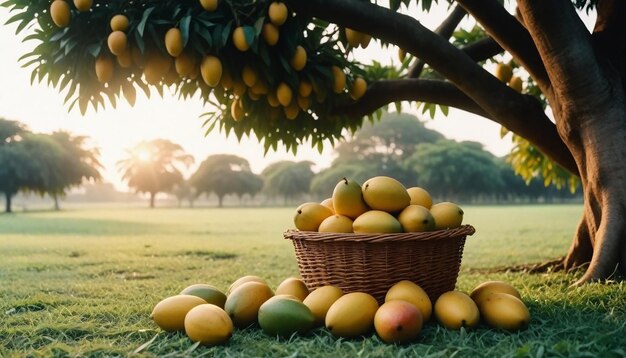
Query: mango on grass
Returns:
{"type": "Point", "coordinates": [284, 316]}
{"type": "Point", "coordinates": [398, 322]}
{"type": "Point", "coordinates": [309, 216]}
{"type": "Point", "coordinates": [351, 315]}
{"type": "Point", "coordinates": [480, 292]}
{"type": "Point", "coordinates": [455, 309]}
{"type": "Point", "coordinates": [242, 305]}
{"type": "Point", "coordinates": [293, 286]}
{"type": "Point", "coordinates": [208, 324]}
{"type": "Point", "coordinates": [504, 311]}
{"type": "Point", "coordinates": [411, 292]}
{"type": "Point", "coordinates": [169, 314]}
{"type": "Point", "coordinates": [240, 281]}
{"type": "Point", "coordinates": [207, 292]}
{"type": "Point", "coordinates": [320, 300]}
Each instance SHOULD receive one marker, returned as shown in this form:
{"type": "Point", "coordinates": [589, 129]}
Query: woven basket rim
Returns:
{"type": "Point", "coordinates": [463, 230]}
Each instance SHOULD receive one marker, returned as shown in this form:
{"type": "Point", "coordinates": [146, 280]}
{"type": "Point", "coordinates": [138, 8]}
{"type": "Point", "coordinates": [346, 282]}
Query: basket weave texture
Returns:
{"type": "Point", "coordinates": [372, 263]}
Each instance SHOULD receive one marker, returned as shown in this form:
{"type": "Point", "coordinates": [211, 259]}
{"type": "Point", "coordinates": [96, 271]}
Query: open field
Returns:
{"type": "Point", "coordinates": [83, 282]}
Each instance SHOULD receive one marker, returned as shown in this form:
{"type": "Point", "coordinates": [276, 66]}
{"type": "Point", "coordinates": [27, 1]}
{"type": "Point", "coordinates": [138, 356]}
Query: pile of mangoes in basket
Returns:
{"type": "Point", "coordinates": [381, 205]}
{"type": "Point", "coordinates": [209, 316]}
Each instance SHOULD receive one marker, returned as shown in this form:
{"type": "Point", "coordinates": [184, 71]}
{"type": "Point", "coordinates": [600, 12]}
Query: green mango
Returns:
{"type": "Point", "coordinates": [206, 292]}
{"type": "Point", "coordinates": [285, 316]}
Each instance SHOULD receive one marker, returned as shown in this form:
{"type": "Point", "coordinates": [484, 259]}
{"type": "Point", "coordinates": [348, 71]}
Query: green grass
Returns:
{"type": "Point", "coordinates": [83, 282]}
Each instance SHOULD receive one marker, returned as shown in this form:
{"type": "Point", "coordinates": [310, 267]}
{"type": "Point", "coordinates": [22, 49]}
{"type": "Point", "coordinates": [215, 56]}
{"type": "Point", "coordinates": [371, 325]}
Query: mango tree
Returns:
{"type": "Point", "coordinates": [283, 71]}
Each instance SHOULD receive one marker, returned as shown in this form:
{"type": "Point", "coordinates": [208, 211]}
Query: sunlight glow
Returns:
{"type": "Point", "coordinates": [144, 155]}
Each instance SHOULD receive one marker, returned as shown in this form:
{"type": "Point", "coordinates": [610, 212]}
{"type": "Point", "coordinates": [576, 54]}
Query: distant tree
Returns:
{"type": "Point", "coordinates": [251, 184]}
{"type": "Point", "coordinates": [387, 144]}
{"type": "Point", "coordinates": [224, 174]}
{"type": "Point", "coordinates": [454, 171]}
{"type": "Point", "coordinates": [288, 179]}
{"type": "Point", "coordinates": [184, 191]}
{"type": "Point", "coordinates": [12, 158]}
{"type": "Point", "coordinates": [154, 166]}
{"type": "Point", "coordinates": [324, 182]}
{"type": "Point", "coordinates": [75, 164]}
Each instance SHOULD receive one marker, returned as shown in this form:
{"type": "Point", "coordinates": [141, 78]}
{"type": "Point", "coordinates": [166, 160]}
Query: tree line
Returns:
{"type": "Point", "coordinates": [399, 146]}
{"type": "Point", "coordinates": [43, 163]}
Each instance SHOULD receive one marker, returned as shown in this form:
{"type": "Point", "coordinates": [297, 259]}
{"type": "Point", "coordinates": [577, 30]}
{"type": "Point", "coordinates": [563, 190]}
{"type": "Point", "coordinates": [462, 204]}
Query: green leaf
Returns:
{"type": "Point", "coordinates": [144, 18]}
{"type": "Point", "coordinates": [17, 17]}
{"type": "Point", "coordinates": [140, 43]}
{"type": "Point", "coordinates": [184, 29]}
{"type": "Point", "coordinates": [59, 35]}
{"type": "Point", "coordinates": [426, 4]}
{"type": "Point", "coordinates": [226, 33]}
{"type": "Point", "coordinates": [258, 25]}
{"type": "Point", "coordinates": [94, 49]}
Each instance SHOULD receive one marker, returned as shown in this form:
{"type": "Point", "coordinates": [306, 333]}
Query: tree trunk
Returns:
{"type": "Point", "coordinates": [8, 197]}
{"type": "Point", "coordinates": [55, 197]}
{"type": "Point", "coordinates": [599, 147]}
{"type": "Point", "coordinates": [152, 196]}
{"type": "Point", "coordinates": [220, 201]}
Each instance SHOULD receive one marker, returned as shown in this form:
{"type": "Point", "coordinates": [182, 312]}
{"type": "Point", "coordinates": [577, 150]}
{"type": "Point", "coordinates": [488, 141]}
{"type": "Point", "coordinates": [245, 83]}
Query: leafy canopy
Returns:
{"type": "Point", "coordinates": [66, 58]}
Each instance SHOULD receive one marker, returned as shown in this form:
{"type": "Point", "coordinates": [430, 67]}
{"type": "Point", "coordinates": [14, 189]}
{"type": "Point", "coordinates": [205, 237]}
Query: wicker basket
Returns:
{"type": "Point", "coordinates": [373, 263]}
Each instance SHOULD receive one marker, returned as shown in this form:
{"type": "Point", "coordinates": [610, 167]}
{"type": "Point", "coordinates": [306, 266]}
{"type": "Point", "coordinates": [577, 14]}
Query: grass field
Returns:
{"type": "Point", "coordinates": [83, 282]}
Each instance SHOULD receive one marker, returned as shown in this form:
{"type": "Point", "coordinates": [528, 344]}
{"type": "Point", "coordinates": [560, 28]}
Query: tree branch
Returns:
{"type": "Point", "coordinates": [482, 49]}
{"type": "Point", "coordinates": [432, 91]}
{"type": "Point", "coordinates": [519, 113]}
{"type": "Point", "coordinates": [445, 30]}
{"type": "Point", "coordinates": [512, 36]}
{"type": "Point", "coordinates": [565, 47]}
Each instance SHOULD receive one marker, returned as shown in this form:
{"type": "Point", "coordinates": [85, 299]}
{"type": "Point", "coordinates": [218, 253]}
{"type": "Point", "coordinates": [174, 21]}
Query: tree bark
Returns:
{"type": "Point", "coordinates": [590, 112]}
{"type": "Point", "coordinates": [8, 196]}
{"type": "Point", "coordinates": [152, 197]}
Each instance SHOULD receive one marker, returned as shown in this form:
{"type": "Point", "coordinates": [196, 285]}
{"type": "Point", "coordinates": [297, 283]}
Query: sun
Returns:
{"type": "Point", "coordinates": [144, 155]}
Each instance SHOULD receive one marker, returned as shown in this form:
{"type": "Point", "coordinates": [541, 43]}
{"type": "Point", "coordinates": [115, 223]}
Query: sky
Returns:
{"type": "Point", "coordinates": [41, 108]}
